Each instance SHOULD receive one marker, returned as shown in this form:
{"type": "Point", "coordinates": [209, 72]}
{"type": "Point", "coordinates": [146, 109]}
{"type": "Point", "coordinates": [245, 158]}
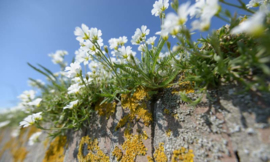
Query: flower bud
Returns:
{"type": "Point", "coordinates": [165, 37]}
{"type": "Point", "coordinates": [169, 45]}
{"type": "Point", "coordinates": [106, 49]}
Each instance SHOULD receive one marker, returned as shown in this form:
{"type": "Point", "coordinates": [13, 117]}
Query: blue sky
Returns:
{"type": "Point", "coordinates": [31, 29]}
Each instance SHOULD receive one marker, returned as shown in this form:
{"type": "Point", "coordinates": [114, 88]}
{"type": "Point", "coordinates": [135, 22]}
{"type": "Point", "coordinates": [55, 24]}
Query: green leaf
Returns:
{"type": "Point", "coordinates": [48, 71]}
{"type": "Point", "coordinates": [170, 79]}
{"type": "Point", "coordinates": [157, 52]}
{"type": "Point", "coordinates": [40, 71]}
{"type": "Point", "coordinates": [38, 84]}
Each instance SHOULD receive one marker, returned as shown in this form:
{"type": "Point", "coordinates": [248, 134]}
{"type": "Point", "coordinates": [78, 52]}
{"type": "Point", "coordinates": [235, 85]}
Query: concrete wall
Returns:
{"type": "Point", "coordinates": [226, 126]}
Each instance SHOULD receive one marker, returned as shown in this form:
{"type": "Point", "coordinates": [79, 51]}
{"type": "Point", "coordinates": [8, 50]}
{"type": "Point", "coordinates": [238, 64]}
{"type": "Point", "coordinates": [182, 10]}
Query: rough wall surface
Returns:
{"type": "Point", "coordinates": [227, 126]}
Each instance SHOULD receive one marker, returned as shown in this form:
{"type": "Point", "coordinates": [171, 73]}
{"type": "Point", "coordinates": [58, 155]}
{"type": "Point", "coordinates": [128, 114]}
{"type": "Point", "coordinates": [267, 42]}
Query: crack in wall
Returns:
{"type": "Point", "coordinates": [153, 105]}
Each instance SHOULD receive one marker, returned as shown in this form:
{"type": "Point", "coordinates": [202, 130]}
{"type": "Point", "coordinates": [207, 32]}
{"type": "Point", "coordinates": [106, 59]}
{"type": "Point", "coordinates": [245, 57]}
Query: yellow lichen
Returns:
{"type": "Point", "coordinates": [19, 154]}
{"type": "Point", "coordinates": [184, 86]}
{"type": "Point", "coordinates": [144, 135]}
{"type": "Point", "coordinates": [182, 155]}
{"type": "Point", "coordinates": [105, 109]}
{"type": "Point", "coordinates": [55, 151]}
{"type": "Point", "coordinates": [159, 154]}
{"type": "Point", "coordinates": [31, 131]}
{"type": "Point", "coordinates": [46, 142]}
{"type": "Point", "coordinates": [94, 152]}
{"type": "Point", "coordinates": [168, 132]}
{"type": "Point", "coordinates": [137, 106]}
{"type": "Point", "coordinates": [133, 147]}
{"type": "Point", "coordinates": [117, 153]}
{"type": "Point", "coordinates": [175, 116]}
{"type": "Point", "coordinates": [123, 121]}
{"type": "Point", "coordinates": [16, 146]}
{"type": "Point", "coordinates": [166, 111]}
{"type": "Point", "coordinates": [150, 159]}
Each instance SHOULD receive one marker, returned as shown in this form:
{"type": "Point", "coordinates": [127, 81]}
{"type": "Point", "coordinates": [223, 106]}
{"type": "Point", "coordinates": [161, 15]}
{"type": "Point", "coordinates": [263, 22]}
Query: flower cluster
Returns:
{"type": "Point", "coordinates": [31, 119]}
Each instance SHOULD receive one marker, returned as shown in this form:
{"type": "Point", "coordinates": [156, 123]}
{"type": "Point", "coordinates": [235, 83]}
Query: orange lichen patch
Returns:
{"type": "Point", "coordinates": [122, 122]}
{"type": "Point", "coordinates": [19, 154]}
{"type": "Point", "coordinates": [46, 142]}
{"type": "Point", "coordinates": [175, 116]}
{"type": "Point", "coordinates": [55, 151]}
{"type": "Point", "coordinates": [159, 154]}
{"type": "Point", "coordinates": [144, 135]}
{"type": "Point", "coordinates": [169, 132]}
{"type": "Point", "coordinates": [105, 109]}
{"type": "Point", "coordinates": [117, 153]}
{"type": "Point", "coordinates": [94, 152]}
{"type": "Point", "coordinates": [140, 94]}
{"type": "Point", "coordinates": [133, 146]}
{"type": "Point", "coordinates": [143, 114]}
{"type": "Point", "coordinates": [32, 130]}
{"type": "Point", "coordinates": [184, 86]}
{"type": "Point", "coordinates": [16, 147]}
{"type": "Point", "coordinates": [166, 111]}
{"type": "Point", "coordinates": [182, 155]}
{"type": "Point", "coordinates": [137, 106]}
{"type": "Point", "coordinates": [150, 159]}
{"type": "Point", "coordinates": [7, 146]}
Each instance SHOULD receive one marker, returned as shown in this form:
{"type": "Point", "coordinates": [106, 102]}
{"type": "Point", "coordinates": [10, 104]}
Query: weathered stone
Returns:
{"type": "Point", "coordinates": [226, 126]}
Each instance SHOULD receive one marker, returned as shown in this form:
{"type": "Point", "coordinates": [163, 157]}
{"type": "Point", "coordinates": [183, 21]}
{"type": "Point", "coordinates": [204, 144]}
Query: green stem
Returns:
{"type": "Point", "coordinates": [222, 18]}
{"type": "Point", "coordinates": [108, 63]}
{"type": "Point", "coordinates": [240, 7]}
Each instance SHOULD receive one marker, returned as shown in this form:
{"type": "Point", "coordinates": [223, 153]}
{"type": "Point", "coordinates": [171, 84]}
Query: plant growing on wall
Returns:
{"type": "Point", "coordinates": [237, 52]}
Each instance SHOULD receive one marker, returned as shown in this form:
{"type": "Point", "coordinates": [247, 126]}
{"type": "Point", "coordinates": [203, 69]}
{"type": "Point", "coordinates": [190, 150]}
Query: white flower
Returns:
{"type": "Point", "coordinates": [197, 8]}
{"type": "Point", "coordinates": [159, 7]}
{"type": "Point", "coordinates": [201, 25]}
{"type": "Point", "coordinates": [205, 9]}
{"type": "Point", "coordinates": [94, 65]}
{"type": "Point", "coordinates": [254, 3]}
{"type": "Point", "coordinates": [59, 73]}
{"type": "Point", "coordinates": [58, 56]}
{"type": "Point", "coordinates": [124, 52]}
{"type": "Point", "coordinates": [36, 102]}
{"type": "Point", "coordinates": [151, 40]}
{"type": "Point", "coordinates": [73, 70]}
{"type": "Point", "coordinates": [113, 43]}
{"type": "Point", "coordinates": [170, 25]}
{"type": "Point", "coordinates": [140, 34]}
{"type": "Point", "coordinates": [253, 26]}
{"type": "Point", "coordinates": [76, 80]}
{"type": "Point", "coordinates": [82, 33]}
{"type": "Point", "coordinates": [142, 48]}
{"type": "Point", "coordinates": [30, 119]}
{"type": "Point", "coordinates": [71, 104]}
{"type": "Point", "coordinates": [172, 22]}
{"type": "Point", "coordinates": [27, 96]}
{"type": "Point", "coordinates": [90, 47]}
{"type": "Point", "coordinates": [175, 48]}
{"type": "Point", "coordinates": [4, 123]}
{"type": "Point", "coordinates": [82, 56]}
{"type": "Point", "coordinates": [74, 88]}
{"type": "Point", "coordinates": [122, 40]}
{"type": "Point", "coordinates": [34, 84]}
{"type": "Point", "coordinates": [34, 138]}
{"type": "Point", "coordinates": [162, 55]}
{"type": "Point", "coordinates": [95, 35]}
